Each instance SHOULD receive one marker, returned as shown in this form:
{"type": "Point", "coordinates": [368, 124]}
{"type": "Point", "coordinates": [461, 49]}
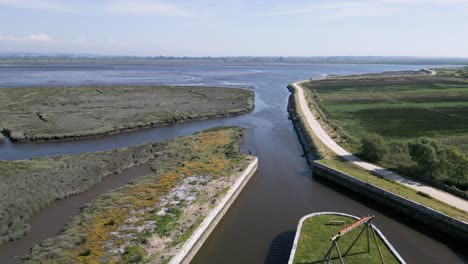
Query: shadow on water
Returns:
{"type": "Point", "coordinates": [280, 248]}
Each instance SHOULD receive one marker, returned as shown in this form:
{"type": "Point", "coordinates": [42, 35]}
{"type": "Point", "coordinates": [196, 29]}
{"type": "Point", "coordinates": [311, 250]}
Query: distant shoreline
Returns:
{"type": "Point", "coordinates": [241, 60]}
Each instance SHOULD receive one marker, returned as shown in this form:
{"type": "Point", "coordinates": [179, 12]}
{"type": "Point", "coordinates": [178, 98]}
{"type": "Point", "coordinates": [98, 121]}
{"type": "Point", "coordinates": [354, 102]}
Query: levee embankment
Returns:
{"type": "Point", "coordinates": [313, 152]}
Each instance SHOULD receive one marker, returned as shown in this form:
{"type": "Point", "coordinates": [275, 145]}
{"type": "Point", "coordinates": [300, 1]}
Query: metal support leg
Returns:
{"type": "Point", "coordinates": [377, 243]}
{"type": "Point", "coordinates": [368, 238]}
{"type": "Point", "coordinates": [328, 255]}
{"type": "Point", "coordinates": [354, 242]}
{"type": "Point", "coordinates": [339, 253]}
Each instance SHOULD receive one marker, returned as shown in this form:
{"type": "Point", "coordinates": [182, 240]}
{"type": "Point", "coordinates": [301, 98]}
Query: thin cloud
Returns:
{"type": "Point", "coordinates": [39, 37]}
{"type": "Point", "coordinates": [143, 7]}
{"type": "Point", "coordinates": [333, 8]}
{"type": "Point", "coordinates": [34, 4]}
{"type": "Point", "coordinates": [440, 2]}
{"type": "Point", "coordinates": [7, 37]}
{"type": "Point", "coordinates": [110, 7]}
{"type": "Point", "coordinates": [341, 9]}
{"type": "Point", "coordinates": [36, 37]}
{"type": "Point", "coordinates": [82, 40]}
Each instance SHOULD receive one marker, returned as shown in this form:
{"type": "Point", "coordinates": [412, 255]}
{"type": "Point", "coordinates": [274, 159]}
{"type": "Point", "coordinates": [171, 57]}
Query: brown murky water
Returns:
{"type": "Point", "coordinates": [260, 225]}
{"type": "Point", "coordinates": [52, 219]}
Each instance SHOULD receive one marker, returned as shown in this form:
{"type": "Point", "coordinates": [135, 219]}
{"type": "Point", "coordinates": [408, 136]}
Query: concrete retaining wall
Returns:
{"type": "Point", "coordinates": [194, 243]}
{"type": "Point", "coordinates": [450, 226]}
{"type": "Point", "coordinates": [380, 234]}
{"type": "Point", "coordinates": [444, 223]}
{"type": "Point", "coordinates": [311, 152]}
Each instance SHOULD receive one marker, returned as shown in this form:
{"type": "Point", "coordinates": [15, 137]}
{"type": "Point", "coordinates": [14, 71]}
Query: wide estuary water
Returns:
{"type": "Point", "coordinates": [260, 226]}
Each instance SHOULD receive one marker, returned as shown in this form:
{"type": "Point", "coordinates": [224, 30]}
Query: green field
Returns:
{"type": "Point", "coordinates": [397, 108]}
{"type": "Point", "coordinates": [326, 157]}
{"type": "Point", "coordinates": [58, 113]}
{"type": "Point", "coordinates": [314, 242]}
{"type": "Point", "coordinates": [403, 114]}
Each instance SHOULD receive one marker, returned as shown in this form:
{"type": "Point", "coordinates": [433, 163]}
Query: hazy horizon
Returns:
{"type": "Point", "coordinates": [393, 28]}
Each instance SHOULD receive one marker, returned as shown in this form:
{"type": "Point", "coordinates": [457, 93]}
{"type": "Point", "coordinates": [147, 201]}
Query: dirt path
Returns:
{"type": "Point", "coordinates": [331, 144]}
{"type": "Point", "coordinates": [431, 72]}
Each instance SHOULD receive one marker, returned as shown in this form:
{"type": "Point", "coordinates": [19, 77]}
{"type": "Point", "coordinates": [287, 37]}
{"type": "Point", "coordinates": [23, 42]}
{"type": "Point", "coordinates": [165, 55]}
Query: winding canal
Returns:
{"type": "Point", "coordinates": [259, 227]}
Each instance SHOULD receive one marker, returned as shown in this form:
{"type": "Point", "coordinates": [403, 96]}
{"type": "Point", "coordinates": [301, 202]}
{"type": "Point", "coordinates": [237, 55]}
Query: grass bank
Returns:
{"type": "Point", "coordinates": [401, 108]}
{"type": "Point", "coordinates": [60, 113]}
{"type": "Point", "coordinates": [150, 219]}
{"type": "Point", "coordinates": [397, 108]}
{"type": "Point", "coordinates": [314, 242]}
{"type": "Point", "coordinates": [394, 187]}
{"type": "Point", "coordinates": [326, 157]}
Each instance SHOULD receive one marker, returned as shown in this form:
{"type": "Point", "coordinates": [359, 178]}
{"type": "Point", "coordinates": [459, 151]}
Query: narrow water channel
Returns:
{"type": "Point", "coordinates": [52, 219]}
{"type": "Point", "coordinates": [260, 225]}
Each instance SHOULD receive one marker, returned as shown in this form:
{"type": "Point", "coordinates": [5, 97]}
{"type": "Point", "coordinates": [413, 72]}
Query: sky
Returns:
{"type": "Point", "coordinates": [431, 28]}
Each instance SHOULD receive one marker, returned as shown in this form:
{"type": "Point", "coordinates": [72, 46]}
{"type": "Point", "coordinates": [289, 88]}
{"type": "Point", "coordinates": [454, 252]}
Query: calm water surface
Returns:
{"type": "Point", "coordinates": [260, 225]}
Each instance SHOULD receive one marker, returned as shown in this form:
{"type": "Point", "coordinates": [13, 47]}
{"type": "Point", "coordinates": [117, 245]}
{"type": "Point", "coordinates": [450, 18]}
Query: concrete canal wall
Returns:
{"type": "Point", "coordinates": [195, 242]}
{"type": "Point", "coordinates": [444, 223]}
{"type": "Point", "coordinates": [448, 225]}
{"type": "Point", "coordinates": [380, 234]}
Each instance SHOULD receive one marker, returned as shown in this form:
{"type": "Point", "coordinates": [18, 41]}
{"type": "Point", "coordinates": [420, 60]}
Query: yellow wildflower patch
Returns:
{"type": "Point", "coordinates": [214, 139]}
{"type": "Point", "coordinates": [204, 154]}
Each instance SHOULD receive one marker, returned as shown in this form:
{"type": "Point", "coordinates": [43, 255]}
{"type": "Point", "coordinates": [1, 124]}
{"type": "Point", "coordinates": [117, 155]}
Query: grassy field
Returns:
{"type": "Point", "coordinates": [396, 108]}
{"type": "Point", "coordinates": [400, 108]}
{"type": "Point", "coordinates": [57, 113]}
{"type": "Point", "coordinates": [328, 158]}
{"type": "Point", "coordinates": [150, 218]}
{"type": "Point", "coordinates": [314, 242]}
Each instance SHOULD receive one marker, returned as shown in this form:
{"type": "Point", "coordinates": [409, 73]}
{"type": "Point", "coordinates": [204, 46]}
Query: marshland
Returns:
{"type": "Point", "coordinates": [270, 135]}
{"type": "Point", "coordinates": [60, 113]}
{"type": "Point", "coordinates": [150, 218]}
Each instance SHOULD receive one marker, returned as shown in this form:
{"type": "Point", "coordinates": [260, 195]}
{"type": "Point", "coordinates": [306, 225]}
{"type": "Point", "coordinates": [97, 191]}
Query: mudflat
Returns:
{"type": "Point", "coordinates": [60, 113]}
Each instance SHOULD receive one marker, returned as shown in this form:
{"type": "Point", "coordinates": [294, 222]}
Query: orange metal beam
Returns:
{"type": "Point", "coordinates": [352, 226]}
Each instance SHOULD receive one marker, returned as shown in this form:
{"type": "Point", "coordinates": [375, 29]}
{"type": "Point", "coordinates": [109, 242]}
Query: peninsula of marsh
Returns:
{"type": "Point", "coordinates": [148, 219]}
{"type": "Point", "coordinates": [64, 113]}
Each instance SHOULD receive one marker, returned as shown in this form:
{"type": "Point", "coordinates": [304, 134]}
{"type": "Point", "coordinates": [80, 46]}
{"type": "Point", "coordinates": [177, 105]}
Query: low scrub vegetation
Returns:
{"type": "Point", "coordinates": [414, 124]}
{"type": "Point", "coordinates": [401, 156]}
{"type": "Point", "coordinates": [59, 113]}
{"type": "Point", "coordinates": [373, 148]}
{"type": "Point", "coordinates": [150, 218]}
{"type": "Point", "coordinates": [423, 158]}
{"type": "Point", "coordinates": [30, 185]}
{"type": "Point", "coordinates": [461, 72]}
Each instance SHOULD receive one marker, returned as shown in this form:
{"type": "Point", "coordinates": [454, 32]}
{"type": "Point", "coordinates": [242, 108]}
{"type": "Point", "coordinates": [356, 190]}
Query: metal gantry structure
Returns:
{"type": "Point", "coordinates": [366, 221]}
